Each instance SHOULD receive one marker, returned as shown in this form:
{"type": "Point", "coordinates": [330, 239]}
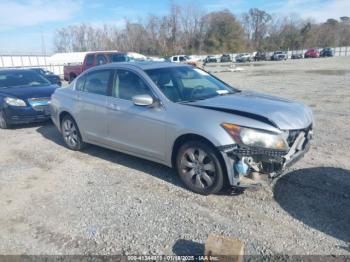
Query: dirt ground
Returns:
{"type": "Point", "coordinates": [56, 201]}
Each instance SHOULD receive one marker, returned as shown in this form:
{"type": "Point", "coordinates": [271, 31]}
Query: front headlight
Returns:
{"type": "Point", "coordinates": [255, 138]}
{"type": "Point", "coordinates": [14, 101]}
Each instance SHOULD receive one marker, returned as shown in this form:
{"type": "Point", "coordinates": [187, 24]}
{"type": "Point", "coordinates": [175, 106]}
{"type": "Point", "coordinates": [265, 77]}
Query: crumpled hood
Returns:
{"type": "Point", "coordinates": [29, 92]}
{"type": "Point", "coordinates": [283, 113]}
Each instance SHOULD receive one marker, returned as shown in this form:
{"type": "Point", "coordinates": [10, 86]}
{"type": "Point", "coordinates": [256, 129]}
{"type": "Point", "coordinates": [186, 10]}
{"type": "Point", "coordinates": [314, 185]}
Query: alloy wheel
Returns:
{"type": "Point", "coordinates": [198, 168]}
{"type": "Point", "coordinates": [70, 133]}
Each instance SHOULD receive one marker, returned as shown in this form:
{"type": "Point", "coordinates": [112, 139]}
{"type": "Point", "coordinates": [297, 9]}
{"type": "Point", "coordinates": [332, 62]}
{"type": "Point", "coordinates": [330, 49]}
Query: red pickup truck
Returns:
{"type": "Point", "coordinates": [94, 59]}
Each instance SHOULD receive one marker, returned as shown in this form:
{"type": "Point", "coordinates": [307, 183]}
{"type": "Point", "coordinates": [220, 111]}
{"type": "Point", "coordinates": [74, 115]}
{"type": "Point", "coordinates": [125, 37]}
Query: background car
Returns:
{"type": "Point", "coordinates": [54, 79]}
{"type": "Point", "coordinates": [225, 58]}
{"type": "Point", "coordinates": [210, 59]}
{"type": "Point", "coordinates": [184, 59]}
{"type": "Point", "coordinates": [326, 52]}
{"type": "Point", "coordinates": [99, 58]}
{"type": "Point", "coordinates": [312, 53]}
{"type": "Point", "coordinates": [245, 57]}
{"type": "Point", "coordinates": [297, 56]}
{"type": "Point", "coordinates": [24, 97]}
{"type": "Point", "coordinates": [279, 55]}
{"type": "Point", "coordinates": [260, 56]}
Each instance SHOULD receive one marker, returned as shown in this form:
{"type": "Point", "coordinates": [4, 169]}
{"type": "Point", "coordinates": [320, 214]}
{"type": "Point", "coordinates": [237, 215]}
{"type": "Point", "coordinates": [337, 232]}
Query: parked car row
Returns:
{"type": "Point", "coordinates": [215, 59]}
{"type": "Point", "coordinates": [170, 113]}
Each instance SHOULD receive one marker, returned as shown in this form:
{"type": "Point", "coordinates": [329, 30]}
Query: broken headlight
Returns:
{"type": "Point", "coordinates": [255, 137]}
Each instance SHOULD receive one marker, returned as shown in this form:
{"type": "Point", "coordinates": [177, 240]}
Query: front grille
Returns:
{"type": "Point", "coordinates": [38, 101]}
{"type": "Point", "coordinates": [252, 151]}
{"type": "Point", "coordinates": [40, 104]}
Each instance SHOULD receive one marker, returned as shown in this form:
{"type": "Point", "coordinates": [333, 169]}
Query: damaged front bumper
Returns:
{"type": "Point", "coordinates": [243, 161]}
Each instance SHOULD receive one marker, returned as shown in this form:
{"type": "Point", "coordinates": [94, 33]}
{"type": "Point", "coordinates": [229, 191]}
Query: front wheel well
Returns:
{"type": "Point", "coordinates": [63, 114]}
{"type": "Point", "coordinates": [193, 137]}
{"type": "Point", "coordinates": [186, 138]}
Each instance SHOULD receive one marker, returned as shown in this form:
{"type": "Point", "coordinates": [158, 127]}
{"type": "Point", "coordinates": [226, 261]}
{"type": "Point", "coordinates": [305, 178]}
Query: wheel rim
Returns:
{"type": "Point", "coordinates": [198, 168]}
{"type": "Point", "coordinates": [70, 133]}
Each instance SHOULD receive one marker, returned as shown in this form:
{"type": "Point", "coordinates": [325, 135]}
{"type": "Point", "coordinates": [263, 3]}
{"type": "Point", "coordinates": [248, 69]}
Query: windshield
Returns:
{"type": "Point", "coordinates": [21, 78]}
{"type": "Point", "coordinates": [184, 84]}
{"type": "Point", "coordinates": [38, 70]}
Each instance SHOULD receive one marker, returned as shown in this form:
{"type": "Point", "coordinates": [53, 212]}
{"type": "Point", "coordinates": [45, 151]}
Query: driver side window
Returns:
{"type": "Point", "coordinates": [128, 84]}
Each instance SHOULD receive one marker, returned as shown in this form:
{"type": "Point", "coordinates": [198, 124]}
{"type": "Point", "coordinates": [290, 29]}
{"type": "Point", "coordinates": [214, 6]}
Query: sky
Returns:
{"type": "Point", "coordinates": [28, 26]}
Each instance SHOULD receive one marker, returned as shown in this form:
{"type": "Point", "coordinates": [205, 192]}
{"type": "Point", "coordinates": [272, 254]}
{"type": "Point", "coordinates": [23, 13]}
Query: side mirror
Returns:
{"type": "Point", "coordinates": [142, 100]}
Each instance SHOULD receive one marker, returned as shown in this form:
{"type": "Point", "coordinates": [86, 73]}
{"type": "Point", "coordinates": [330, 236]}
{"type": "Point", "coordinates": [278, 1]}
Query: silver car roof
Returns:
{"type": "Point", "coordinates": [143, 65]}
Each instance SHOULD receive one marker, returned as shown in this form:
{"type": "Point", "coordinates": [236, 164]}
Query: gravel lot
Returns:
{"type": "Point", "coordinates": [55, 201]}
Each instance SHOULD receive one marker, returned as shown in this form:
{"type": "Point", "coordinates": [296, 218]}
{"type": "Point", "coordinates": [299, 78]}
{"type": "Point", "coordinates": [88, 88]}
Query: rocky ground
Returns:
{"type": "Point", "coordinates": [56, 201]}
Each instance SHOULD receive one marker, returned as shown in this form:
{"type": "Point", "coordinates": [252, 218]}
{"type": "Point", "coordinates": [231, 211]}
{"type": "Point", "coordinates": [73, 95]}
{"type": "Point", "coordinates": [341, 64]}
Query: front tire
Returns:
{"type": "Point", "coordinates": [199, 167]}
{"type": "Point", "coordinates": [3, 122]}
{"type": "Point", "coordinates": [71, 135]}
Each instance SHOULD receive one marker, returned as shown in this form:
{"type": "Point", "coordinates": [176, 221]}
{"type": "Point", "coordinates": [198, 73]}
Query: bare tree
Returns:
{"type": "Point", "coordinates": [255, 23]}
{"type": "Point", "coordinates": [187, 29]}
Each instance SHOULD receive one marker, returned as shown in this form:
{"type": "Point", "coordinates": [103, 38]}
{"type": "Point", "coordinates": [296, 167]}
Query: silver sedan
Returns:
{"type": "Point", "coordinates": [183, 117]}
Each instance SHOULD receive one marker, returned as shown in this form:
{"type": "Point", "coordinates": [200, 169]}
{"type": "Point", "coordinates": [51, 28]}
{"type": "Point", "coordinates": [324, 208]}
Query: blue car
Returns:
{"type": "Point", "coordinates": [24, 97]}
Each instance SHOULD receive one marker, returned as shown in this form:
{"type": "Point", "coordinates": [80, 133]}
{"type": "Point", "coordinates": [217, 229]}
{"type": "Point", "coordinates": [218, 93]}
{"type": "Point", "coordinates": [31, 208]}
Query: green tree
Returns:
{"type": "Point", "coordinates": [223, 33]}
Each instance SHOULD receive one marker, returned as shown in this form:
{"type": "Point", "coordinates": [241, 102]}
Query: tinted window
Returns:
{"type": "Point", "coordinates": [128, 84]}
{"type": "Point", "coordinates": [21, 78]}
{"type": "Point", "coordinates": [89, 59]}
{"type": "Point", "coordinates": [101, 59]}
{"type": "Point", "coordinates": [97, 82]}
{"type": "Point", "coordinates": [118, 58]}
{"type": "Point", "coordinates": [182, 59]}
{"type": "Point", "coordinates": [175, 58]}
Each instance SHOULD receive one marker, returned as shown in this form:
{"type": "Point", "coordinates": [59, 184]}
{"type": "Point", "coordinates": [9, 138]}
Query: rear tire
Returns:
{"type": "Point", "coordinates": [3, 122]}
{"type": "Point", "coordinates": [71, 134]}
{"type": "Point", "coordinates": [199, 167]}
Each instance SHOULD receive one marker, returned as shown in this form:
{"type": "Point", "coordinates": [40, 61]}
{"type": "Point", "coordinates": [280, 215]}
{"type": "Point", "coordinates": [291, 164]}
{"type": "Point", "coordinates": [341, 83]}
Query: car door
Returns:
{"type": "Point", "coordinates": [139, 130]}
{"type": "Point", "coordinates": [92, 105]}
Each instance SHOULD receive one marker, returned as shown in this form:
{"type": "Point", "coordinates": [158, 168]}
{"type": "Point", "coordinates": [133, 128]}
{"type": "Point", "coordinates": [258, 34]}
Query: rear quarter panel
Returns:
{"type": "Point", "coordinates": [63, 100]}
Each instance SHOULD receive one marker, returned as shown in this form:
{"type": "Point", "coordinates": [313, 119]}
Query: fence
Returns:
{"type": "Point", "coordinates": [30, 61]}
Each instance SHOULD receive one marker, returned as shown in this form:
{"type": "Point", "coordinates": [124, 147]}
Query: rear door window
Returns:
{"type": "Point", "coordinates": [97, 82]}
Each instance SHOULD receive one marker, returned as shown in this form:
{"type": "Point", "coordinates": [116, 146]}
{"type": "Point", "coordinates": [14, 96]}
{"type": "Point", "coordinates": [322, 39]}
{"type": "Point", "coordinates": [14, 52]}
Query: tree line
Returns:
{"type": "Point", "coordinates": [188, 29]}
